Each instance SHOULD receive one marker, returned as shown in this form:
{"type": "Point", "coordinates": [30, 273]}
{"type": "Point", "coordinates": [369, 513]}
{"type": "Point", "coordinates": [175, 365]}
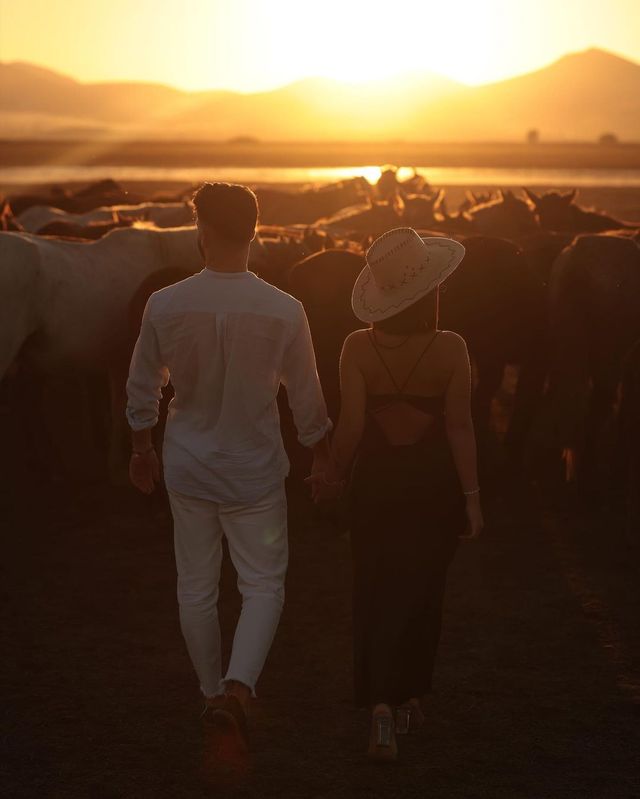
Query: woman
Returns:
{"type": "Point", "coordinates": [406, 438]}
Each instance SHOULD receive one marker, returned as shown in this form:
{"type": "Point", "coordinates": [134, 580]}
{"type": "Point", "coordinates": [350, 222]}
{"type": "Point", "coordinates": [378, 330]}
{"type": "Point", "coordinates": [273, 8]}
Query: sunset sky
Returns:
{"type": "Point", "coordinates": [251, 45]}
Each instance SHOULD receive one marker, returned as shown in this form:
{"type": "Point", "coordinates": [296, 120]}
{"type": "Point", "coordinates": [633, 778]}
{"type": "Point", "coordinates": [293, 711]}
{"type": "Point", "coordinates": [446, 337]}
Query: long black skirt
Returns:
{"type": "Point", "coordinates": [403, 537]}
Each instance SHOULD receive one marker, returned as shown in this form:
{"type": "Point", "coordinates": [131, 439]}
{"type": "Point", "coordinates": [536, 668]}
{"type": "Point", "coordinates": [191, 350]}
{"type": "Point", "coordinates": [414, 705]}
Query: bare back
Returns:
{"type": "Point", "coordinates": [432, 372]}
{"type": "Point", "coordinates": [405, 384]}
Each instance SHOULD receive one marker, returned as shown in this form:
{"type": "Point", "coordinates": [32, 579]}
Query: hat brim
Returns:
{"type": "Point", "coordinates": [371, 304]}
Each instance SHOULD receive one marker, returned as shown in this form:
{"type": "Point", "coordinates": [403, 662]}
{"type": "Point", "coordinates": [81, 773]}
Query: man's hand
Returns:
{"type": "Point", "coordinates": [321, 464]}
{"type": "Point", "coordinates": [144, 470]}
{"type": "Point", "coordinates": [321, 456]}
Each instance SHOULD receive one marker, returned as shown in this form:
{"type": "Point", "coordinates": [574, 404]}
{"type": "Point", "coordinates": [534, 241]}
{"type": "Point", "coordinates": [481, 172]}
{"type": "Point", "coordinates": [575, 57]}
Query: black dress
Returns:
{"type": "Point", "coordinates": [406, 512]}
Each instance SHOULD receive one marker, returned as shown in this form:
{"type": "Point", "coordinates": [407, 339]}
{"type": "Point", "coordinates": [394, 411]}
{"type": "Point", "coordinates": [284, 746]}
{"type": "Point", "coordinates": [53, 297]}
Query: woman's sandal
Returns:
{"type": "Point", "coordinates": [409, 718]}
{"type": "Point", "coordinates": [383, 747]}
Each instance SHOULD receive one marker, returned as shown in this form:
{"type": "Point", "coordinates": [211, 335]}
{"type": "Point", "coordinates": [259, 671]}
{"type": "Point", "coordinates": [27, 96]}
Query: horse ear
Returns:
{"type": "Point", "coordinates": [531, 195]}
{"type": "Point", "coordinates": [438, 198]}
{"type": "Point", "coordinates": [570, 196]}
{"type": "Point", "coordinates": [501, 195]}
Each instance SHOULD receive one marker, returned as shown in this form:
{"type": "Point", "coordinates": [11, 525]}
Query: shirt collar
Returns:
{"type": "Point", "coordinates": [227, 275]}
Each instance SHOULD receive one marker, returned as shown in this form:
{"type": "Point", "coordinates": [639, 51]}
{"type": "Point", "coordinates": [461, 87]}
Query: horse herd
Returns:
{"type": "Point", "coordinates": [546, 287]}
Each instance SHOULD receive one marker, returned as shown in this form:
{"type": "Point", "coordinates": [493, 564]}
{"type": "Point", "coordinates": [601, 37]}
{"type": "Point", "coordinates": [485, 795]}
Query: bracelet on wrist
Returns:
{"type": "Point", "coordinates": [141, 452]}
{"type": "Point", "coordinates": [471, 493]}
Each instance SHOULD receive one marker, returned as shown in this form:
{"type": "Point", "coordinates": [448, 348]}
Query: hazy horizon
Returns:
{"type": "Point", "coordinates": [399, 77]}
{"type": "Point", "coordinates": [580, 96]}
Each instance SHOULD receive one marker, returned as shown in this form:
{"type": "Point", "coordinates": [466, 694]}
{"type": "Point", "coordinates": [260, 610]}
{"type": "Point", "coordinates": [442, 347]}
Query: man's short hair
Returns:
{"type": "Point", "coordinates": [231, 210]}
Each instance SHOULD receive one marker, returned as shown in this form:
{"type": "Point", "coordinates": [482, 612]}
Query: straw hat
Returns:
{"type": "Point", "coordinates": [401, 268]}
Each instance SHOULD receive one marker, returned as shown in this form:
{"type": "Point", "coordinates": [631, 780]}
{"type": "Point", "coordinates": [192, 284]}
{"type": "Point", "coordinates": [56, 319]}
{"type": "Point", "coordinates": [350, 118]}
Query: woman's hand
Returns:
{"type": "Point", "coordinates": [474, 517]}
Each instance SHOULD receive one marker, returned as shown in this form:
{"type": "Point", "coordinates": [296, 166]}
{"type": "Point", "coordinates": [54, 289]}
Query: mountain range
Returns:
{"type": "Point", "coordinates": [578, 97]}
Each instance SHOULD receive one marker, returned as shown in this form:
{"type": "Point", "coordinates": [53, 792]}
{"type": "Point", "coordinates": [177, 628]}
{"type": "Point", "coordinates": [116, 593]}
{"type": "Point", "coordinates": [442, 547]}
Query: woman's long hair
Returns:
{"type": "Point", "coordinates": [421, 316]}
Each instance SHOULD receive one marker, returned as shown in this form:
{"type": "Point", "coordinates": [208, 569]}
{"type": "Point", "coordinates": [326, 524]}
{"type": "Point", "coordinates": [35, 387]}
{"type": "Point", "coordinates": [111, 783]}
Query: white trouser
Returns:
{"type": "Point", "coordinates": [257, 538]}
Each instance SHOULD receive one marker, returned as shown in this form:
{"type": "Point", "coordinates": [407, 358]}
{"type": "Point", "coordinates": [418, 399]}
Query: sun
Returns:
{"type": "Point", "coordinates": [355, 41]}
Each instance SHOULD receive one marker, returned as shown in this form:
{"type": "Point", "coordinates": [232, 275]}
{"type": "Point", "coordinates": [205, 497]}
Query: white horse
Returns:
{"type": "Point", "coordinates": [70, 303]}
{"type": "Point", "coordinates": [163, 215]}
{"type": "Point", "coordinates": [76, 295]}
{"type": "Point", "coordinates": [74, 304]}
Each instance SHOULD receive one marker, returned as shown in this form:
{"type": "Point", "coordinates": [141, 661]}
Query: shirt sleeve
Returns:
{"type": "Point", "coordinates": [147, 376]}
{"type": "Point", "coordinates": [304, 392]}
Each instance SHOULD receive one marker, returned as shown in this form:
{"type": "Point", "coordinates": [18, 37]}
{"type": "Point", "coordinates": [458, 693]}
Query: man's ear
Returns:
{"type": "Point", "coordinates": [201, 246]}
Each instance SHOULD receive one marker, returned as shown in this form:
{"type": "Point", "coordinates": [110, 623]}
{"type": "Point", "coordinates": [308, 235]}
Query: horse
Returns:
{"type": "Point", "coordinates": [162, 215]}
{"type": "Point", "coordinates": [496, 303]}
{"type": "Point", "coordinates": [557, 211]}
{"type": "Point", "coordinates": [370, 219]}
{"type": "Point", "coordinates": [507, 215]}
{"type": "Point", "coordinates": [472, 199]}
{"type": "Point", "coordinates": [103, 192]}
{"type": "Point", "coordinates": [594, 320]}
{"type": "Point", "coordinates": [323, 283]}
{"type": "Point", "coordinates": [629, 435]}
{"type": "Point", "coordinates": [420, 209]}
{"type": "Point", "coordinates": [64, 307]}
{"type": "Point", "coordinates": [92, 231]}
{"type": "Point", "coordinates": [281, 207]}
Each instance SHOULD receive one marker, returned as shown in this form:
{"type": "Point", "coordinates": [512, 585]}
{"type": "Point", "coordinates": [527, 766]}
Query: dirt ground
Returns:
{"type": "Point", "coordinates": [537, 685]}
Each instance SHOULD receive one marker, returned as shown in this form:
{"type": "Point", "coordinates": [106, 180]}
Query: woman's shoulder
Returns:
{"type": "Point", "coordinates": [453, 350]}
{"type": "Point", "coordinates": [357, 338]}
{"type": "Point", "coordinates": [453, 340]}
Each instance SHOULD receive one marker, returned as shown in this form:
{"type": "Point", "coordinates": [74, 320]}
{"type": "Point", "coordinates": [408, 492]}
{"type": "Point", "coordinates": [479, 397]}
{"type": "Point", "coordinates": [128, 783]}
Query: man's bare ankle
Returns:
{"type": "Point", "coordinates": [240, 691]}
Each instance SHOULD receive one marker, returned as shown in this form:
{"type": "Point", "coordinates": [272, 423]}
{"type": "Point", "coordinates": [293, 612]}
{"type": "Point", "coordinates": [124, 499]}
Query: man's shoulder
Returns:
{"type": "Point", "coordinates": [279, 302]}
{"type": "Point", "coordinates": [162, 298]}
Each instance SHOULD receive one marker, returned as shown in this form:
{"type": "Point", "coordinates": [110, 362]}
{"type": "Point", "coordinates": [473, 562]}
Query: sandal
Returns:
{"type": "Point", "coordinates": [409, 718]}
{"type": "Point", "coordinates": [383, 747]}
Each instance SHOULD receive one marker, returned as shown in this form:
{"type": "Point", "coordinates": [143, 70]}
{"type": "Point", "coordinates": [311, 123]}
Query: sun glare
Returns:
{"type": "Point", "coordinates": [358, 42]}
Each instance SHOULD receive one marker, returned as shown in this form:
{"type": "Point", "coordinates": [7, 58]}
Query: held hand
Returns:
{"type": "Point", "coordinates": [322, 489]}
{"type": "Point", "coordinates": [474, 518]}
{"type": "Point", "coordinates": [314, 481]}
{"type": "Point", "coordinates": [144, 470]}
{"type": "Point", "coordinates": [321, 462]}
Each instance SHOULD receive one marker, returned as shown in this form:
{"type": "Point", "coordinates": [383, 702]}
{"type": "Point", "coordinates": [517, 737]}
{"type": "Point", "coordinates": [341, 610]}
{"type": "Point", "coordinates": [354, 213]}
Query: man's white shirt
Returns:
{"type": "Point", "coordinates": [227, 340]}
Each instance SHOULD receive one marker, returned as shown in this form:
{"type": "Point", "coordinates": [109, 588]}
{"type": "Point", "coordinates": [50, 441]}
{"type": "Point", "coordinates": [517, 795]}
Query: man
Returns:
{"type": "Point", "coordinates": [227, 340]}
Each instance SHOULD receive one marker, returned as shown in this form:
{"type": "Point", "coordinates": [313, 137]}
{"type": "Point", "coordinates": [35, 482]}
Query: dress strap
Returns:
{"type": "Point", "coordinates": [384, 363]}
{"type": "Point", "coordinates": [417, 363]}
{"type": "Point", "coordinates": [400, 389]}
